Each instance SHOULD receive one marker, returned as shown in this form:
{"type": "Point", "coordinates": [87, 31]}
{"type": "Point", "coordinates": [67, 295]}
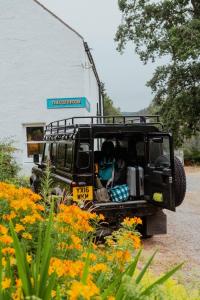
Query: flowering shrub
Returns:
{"type": "Point", "coordinates": [8, 166]}
{"type": "Point", "coordinates": [53, 255]}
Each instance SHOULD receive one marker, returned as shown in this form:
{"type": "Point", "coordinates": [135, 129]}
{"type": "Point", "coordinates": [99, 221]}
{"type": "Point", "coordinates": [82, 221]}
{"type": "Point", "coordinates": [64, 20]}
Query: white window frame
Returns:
{"type": "Point", "coordinates": [27, 159]}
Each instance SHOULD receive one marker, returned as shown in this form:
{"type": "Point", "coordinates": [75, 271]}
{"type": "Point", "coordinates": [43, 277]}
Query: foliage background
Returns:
{"type": "Point", "coordinates": [170, 30]}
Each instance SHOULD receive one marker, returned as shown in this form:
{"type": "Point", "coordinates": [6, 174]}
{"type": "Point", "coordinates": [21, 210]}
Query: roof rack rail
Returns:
{"type": "Point", "coordinates": [68, 126]}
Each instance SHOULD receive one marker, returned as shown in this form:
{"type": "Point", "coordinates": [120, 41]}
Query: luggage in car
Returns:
{"type": "Point", "coordinates": [135, 181]}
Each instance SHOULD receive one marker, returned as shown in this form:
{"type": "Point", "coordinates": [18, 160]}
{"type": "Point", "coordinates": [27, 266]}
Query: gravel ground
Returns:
{"type": "Point", "coordinates": [182, 243]}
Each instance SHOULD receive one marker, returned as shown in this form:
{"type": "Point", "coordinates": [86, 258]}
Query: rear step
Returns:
{"type": "Point", "coordinates": [111, 204]}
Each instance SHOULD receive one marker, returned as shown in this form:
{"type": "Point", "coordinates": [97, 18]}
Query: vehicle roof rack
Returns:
{"type": "Point", "coordinates": [68, 126]}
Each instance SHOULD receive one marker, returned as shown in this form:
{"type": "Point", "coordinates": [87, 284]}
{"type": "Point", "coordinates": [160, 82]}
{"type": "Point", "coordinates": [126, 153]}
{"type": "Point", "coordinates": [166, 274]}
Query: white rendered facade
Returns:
{"type": "Point", "coordinates": [40, 58]}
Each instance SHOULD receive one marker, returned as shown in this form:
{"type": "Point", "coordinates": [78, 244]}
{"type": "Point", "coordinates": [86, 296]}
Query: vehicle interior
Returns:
{"type": "Point", "coordinates": [139, 159]}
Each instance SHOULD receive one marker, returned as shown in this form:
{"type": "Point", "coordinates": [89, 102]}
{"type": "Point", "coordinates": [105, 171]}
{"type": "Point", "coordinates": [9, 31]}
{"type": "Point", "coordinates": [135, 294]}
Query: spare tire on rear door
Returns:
{"type": "Point", "coordinates": [180, 182]}
{"type": "Point", "coordinates": [179, 177]}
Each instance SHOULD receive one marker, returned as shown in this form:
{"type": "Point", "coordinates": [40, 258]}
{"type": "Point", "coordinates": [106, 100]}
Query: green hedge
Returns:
{"type": "Point", "coordinates": [192, 157]}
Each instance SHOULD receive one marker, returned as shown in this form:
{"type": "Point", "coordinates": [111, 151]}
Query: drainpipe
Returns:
{"type": "Point", "coordinates": [91, 60]}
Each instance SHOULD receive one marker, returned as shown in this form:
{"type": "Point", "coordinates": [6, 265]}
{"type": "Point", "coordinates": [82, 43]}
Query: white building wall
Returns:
{"type": "Point", "coordinates": [40, 58]}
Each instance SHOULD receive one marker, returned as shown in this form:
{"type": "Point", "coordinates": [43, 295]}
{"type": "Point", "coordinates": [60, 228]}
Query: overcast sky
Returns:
{"type": "Point", "coordinates": [124, 75]}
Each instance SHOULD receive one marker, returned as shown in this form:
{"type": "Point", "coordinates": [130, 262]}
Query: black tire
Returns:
{"type": "Point", "coordinates": [180, 182]}
{"type": "Point", "coordinates": [34, 186]}
{"type": "Point", "coordinates": [179, 177]}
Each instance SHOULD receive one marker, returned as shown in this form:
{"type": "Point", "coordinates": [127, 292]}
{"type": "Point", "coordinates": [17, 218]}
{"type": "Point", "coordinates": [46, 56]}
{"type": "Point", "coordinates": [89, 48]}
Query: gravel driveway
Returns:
{"type": "Point", "coordinates": [182, 243]}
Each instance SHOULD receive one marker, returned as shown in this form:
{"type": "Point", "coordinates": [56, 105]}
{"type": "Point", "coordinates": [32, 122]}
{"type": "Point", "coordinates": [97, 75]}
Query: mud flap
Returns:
{"type": "Point", "coordinates": [155, 224]}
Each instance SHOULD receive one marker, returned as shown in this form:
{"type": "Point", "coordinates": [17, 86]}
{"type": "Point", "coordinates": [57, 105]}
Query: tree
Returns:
{"type": "Point", "coordinates": [109, 108]}
{"type": "Point", "coordinates": [171, 29]}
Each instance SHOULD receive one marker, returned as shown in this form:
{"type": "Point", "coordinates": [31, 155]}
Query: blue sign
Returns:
{"type": "Point", "coordinates": [79, 102]}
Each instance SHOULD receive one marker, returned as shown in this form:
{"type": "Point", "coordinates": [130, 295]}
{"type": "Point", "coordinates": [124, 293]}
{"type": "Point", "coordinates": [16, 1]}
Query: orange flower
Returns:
{"type": "Point", "coordinates": [99, 268]}
{"type": "Point", "coordinates": [66, 267]}
{"type": "Point", "coordinates": [101, 217]}
{"type": "Point", "coordinates": [131, 221]}
{"type": "Point", "coordinates": [79, 289]}
{"type": "Point", "coordinates": [8, 250]}
{"type": "Point", "coordinates": [136, 241]}
{"type": "Point", "coordinates": [28, 219]}
{"type": "Point", "coordinates": [6, 239]}
{"type": "Point", "coordinates": [10, 216]}
{"type": "Point", "coordinates": [40, 207]}
{"type": "Point", "coordinates": [92, 256]}
{"type": "Point", "coordinates": [18, 283]}
{"type": "Point", "coordinates": [3, 229]}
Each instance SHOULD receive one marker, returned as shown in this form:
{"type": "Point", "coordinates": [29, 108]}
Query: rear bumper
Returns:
{"type": "Point", "coordinates": [139, 208]}
{"type": "Point", "coordinates": [154, 220]}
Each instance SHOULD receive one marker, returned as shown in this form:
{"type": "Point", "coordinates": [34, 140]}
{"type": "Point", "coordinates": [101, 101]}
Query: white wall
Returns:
{"type": "Point", "coordinates": [40, 58]}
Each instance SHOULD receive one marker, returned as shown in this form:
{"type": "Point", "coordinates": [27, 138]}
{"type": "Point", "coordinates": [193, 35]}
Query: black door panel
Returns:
{"type": "Point", "coordinates": [159, 186]}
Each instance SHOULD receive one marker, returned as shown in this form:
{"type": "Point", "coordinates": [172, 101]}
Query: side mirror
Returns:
{"type": "Point", "coordinates": [36, 158]}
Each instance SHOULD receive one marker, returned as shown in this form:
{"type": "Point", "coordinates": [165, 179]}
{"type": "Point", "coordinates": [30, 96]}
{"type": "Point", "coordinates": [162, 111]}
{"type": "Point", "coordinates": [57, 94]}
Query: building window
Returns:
{"type": "Point", "coordinates": [34, 135]}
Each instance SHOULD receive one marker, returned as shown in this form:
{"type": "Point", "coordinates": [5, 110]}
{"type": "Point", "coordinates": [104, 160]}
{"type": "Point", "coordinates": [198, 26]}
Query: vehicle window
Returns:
{"type": "Point", "coordinates": [61, 155]}
{"type": "Point", "coordinates": [53, 153]}
{"type": "Point", "coordinates": [69, 155]}
{"type": "Point", "coordinates": [84, 147]}
{"type": "Point", "coordinates": [46, 156]}
{"type": "Point", "coordinates": [83, 160]}
{"type": "Point", "coordinates": [140, 148]}
{"type": "Point", "coordinates": [159, 154]}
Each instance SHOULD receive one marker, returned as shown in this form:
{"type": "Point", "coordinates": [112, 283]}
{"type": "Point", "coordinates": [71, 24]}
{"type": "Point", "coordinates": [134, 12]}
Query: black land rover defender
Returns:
{"type": "Point", "coordinates": [133, 151]}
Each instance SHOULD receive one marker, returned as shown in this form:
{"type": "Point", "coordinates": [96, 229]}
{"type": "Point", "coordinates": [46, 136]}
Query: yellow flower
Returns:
{"type": "Point", "coordinates": [110, 242]}
{"type": "Point", "coordinates": [123, 256]}
{"type": "Point", "coordinates": [87, 291]}
{"type": "Point", "coordinates": [28, 219]}
{"type": "Point", "coordinates": [28, 258]}
{"type": "Point", "coordinates": [3, 261]}
{"type": "Point", "coordinates": [99, 268]}
{"type": "Point", "coordinates": [6, 283]}
{"type": "Point", "coordinates": [111, 298]}
{"type": "Point", "coordinates": [53, 294]}
{"type": "Point", "coordinates": [92, 256]}
{"type": "Point", "coordinates": [76, 241]}
{"type": "Point", "coordinates": [19, 227]}
{"type": "Point", "coordinates": [66, 267]}
{"type": "Point", "coordinates": [27, 236]}
{"type": "Point", "coordinates": [3, 229]}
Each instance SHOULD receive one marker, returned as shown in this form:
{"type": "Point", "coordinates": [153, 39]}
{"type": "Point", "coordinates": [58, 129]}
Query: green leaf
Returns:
{"type": "Point", "coordinates": [58, 296]}
{"type": "Point", "coordinates": [46, 254]}
{"type": "Point", "coordinates": [129, 272]}
{"type": "Point", "coordinates": [142, 273]}
{"type": "Point", "coordinates": [162, 279]}
{"type": "Point", "coordinates": [37, 264]}
{"type": "Point", "coordinates": [86, 268]}
{"type": "Point", "coordinates": [1, 271]}
{"type": "Point", "coordinates": [49, 288]}
{"type": "Point", "coordinates": [21, 263]}
{"type": "Point", "coordinates": [131, 269]}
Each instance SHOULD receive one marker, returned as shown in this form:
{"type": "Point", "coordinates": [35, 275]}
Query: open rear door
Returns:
{"type": "Point", "coordinates": [159, 186]}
